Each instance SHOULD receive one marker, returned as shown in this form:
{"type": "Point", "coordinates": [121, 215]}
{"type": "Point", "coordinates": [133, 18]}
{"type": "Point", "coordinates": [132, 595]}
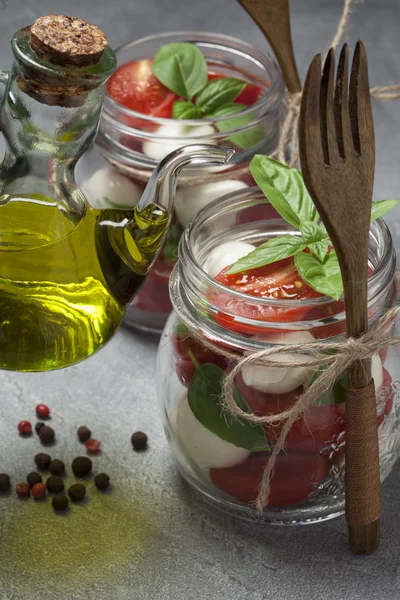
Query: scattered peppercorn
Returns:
{"type": "Point", "coordinates": [39, 491]}
{"type": "Point", "coordinates": [57, 467]}
{"type": "Point", "coordinates": [60, 502]}
{"type": "Point", "coordinates": [81, 466]}
{"type": "Point", "coordinates": [5, 482]}
{"type": "Point", "coordinates": [34, 478]}
{"type": "Point", "coordinates": [139, 440]}
{"type": "Point", "coordinates": [42, 461]}
{"type": "Point", "coordinates": [22, 489]}
{"type": "Point", "coordinates": [93, 445]}
{"type": "Point", "coordinates": [25, 428]}
{"type": "Point", "coordinates": [77, 492]}
{"type": "Point", "coordinates": [55, 485]}
{"type": "Point", "coordinates": [42, 411]}
{"type": "Point", "coordinates": [46, 434]}
{"type": "Point", "coordinates": [39, 426]}
{"type": "Point", "coordinates": [102, 481]}
{"type": "Point", "coordinates": [84, 433]}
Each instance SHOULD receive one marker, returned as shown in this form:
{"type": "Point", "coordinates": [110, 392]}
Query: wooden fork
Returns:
{"type": "Point", "coordinates": [337, 154]}
{"type": "Point", "coordinates": [272, 17]}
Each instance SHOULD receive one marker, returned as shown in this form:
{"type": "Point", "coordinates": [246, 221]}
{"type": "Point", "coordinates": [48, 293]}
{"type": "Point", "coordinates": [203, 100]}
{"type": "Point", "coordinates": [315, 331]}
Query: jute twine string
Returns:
{"type": "Point", "coordinates": [333, 357]}
{"type": "Point", "coordinates": [289, 133]}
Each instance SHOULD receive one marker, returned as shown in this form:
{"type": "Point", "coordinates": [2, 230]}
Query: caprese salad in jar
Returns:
{"type": "Point", "coordinates": [230, 453]}
{"type": "Point", "coordinates": [200, 102]}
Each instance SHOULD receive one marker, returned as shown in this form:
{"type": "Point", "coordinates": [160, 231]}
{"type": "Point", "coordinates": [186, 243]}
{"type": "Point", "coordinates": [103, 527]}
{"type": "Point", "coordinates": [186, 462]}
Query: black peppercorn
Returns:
{"type": "Point", "coordinates": [102, 481]}
{"type": "Point", "coordinates": [55, 485]}
{"type": "Point", "coordinates": [34, 478]}
{"type": "Point", "coordinates": [60, 502]}
{"type": "Point", "coordinates": [39, 426]}
{"type": "Point", "coordinates": [46, 434]}
{"type": "Point", "coordinates": [139, 440]}
{"type": "Point", "coordinates": [77, 492]}
{"type": "Point", "coordinates": [42, 461]}
{"type": "Point", "coordinates": [57, 467]}
{"type": "Point", "coordinates": [81, 466]}
{"type": "Point", "coordinates": [84, 433]}
{"type": "Point", "coordinates": [5, 482]}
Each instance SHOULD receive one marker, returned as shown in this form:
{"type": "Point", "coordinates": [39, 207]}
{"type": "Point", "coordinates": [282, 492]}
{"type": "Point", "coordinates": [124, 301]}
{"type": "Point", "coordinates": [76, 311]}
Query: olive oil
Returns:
{"type": "Point", "coordinates": [64, 285]}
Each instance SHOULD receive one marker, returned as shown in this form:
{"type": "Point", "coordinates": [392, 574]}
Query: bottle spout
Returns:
{"type": "Point", "coordinates": [161, 186]}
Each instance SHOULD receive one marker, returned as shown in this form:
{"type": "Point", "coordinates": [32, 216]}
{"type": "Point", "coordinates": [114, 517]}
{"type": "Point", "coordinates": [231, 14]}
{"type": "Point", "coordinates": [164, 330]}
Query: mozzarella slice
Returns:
{"type": "Point", "coordinates": [377, 371]}
{"type": "Point", "coordinates": [107, 188]}
{"type": "Point", "coordinates": [280, 380]}
{"type": "Point", "coordinates": [202, 446]}
{"type": "Point", "coordinates": [190, 200]}
{"type": "Point", "coordinates": [224, 255]}
{"type": "Point", "coordinates": [186, 135]}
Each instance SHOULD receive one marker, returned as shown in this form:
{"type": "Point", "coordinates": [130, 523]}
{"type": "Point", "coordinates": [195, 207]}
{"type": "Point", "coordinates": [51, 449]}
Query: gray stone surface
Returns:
{"type": "Point", "coordinates": [151, 538]}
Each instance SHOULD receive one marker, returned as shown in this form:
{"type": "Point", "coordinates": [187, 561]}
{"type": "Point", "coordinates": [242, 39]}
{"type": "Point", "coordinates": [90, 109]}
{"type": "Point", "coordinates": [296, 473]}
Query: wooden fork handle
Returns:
{"type": "Point", "coordinates": [363, 505]}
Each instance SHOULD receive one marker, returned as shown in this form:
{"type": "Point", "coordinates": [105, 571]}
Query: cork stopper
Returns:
{"type": "Point", "coordinates": [67, 41]}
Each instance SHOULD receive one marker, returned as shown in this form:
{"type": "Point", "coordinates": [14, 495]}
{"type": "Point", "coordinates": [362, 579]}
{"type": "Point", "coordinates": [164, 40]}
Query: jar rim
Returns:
{"type": "Point", "coordinates": [269, 99]}
{"type": "Point", "coordinates": [193, 279]}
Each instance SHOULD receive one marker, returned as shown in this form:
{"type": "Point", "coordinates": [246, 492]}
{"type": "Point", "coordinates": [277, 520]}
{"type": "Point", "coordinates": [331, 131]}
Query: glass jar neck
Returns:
{"type": "Point", "coordinates": [49, 117]}
{"type": "Point", "coordinates": [247, 217]}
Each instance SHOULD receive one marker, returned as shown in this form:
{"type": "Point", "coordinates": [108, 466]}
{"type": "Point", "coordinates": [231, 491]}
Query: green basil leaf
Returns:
{"type": "Point", "coordinates": [171, 243]}
{"type": "Point", "coordinates": [182, 68]}
{"type": "Point", "coordinates": [219, 92]}
{"type": "Point", "coordinates": [244, 139]}
{"type": "Point", "coordinates": [204, 393]}
{"type": "Point", "coordinates": [381, 207]}
{"type": "Point", "coordinates": [180, 328]}
{"type": "Point", "coordinates": [184, 109]}
{"type": "Point", "coordinates": [324, 277]}
{"type": "Point", "coordinates": [273, 250]}
{"type": "Point", "coordinates": [320, 248]}
{"type": "Point", "coordinates": [335, 395]}
{"type": "Point", "coordinates": [285, 189]}
{"type": "Point", "coordinates": [311, 232]}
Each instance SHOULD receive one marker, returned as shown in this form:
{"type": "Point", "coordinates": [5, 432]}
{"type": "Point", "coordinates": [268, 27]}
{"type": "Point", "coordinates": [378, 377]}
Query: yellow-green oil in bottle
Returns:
{"type": "Point", "coordinates": [64, 285]}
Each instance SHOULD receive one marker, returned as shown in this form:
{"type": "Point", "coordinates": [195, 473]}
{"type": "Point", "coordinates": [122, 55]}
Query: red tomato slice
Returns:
{"type": "Point", "coordinates": [279, 280]}
{"type": "Point", "coordinates": [135, 86]}
{"type": "Point", "coordinates": [248, 96]}
{"type": "Point", "coordinates": [295, 477]}
{"type": "Point", "coordinates": [153, 297]}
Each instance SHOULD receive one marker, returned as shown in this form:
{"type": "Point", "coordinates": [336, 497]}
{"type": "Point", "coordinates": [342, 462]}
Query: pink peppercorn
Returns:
{"type": "Point", "coordinates": [24, 427]}
{"type": "Point", "coordinates": [39, 490]}
{"type": "Point", "coordinates": [93, 445]}
{"type": "Point", "coordinates": [22, 489]}
{"type": "Point", "coordinates": [42, 411]}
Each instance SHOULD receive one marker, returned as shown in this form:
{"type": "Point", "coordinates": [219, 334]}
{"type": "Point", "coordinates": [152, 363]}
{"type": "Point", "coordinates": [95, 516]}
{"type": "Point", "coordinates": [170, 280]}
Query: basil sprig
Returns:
{"type": "Point", "coordinates": [204, 394]}
{"type": "Point", "coordinates": [285, 189]}
{"type": "Point", "coordinates": [182, 68]}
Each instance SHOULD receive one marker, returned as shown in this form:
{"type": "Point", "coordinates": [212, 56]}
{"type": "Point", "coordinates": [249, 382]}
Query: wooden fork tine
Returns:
{"type": "Point", "coordinates": [309, 122]}
{"type": "Point", "coordinates": [342, 118]}
{"type": "Point", "coordinates": [328, 130]}
{"type": "Point", "coordinates": [360, 108]}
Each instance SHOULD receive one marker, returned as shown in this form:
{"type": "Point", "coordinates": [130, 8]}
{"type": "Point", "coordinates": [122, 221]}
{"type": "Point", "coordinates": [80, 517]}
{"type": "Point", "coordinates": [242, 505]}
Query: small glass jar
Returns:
{"type": "Point", "coordinates": [308, 480]}
{"type": "Point", "coordinates": [130, 146]}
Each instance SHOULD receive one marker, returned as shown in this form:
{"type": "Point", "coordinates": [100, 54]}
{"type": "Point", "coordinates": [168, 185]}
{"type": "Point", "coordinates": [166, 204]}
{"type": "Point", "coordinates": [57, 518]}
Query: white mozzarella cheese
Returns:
{"type": "Point", "coordinates": [107, 188]}
{"type": "Point", "coordinates": [177, 134]}
{"type": "Point", "coordinates": [190, 200]}
{"type": "Point", "coordinates": [280, 380]}
{"type": "Point", "coordinates": [377, 371]}
{"type": "Point", "coordinates": [202, 446]}
{"type": "Point", "coordinates": [224, 255]}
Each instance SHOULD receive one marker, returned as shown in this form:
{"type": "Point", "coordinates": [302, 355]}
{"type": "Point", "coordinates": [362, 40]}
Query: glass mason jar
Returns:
{"type": "Point", "coordinates": [130, 145]}
{"type": "Point", "coordinates": [308, 480]}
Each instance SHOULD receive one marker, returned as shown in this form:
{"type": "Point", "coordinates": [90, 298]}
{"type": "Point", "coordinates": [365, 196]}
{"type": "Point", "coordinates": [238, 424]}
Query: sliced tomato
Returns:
{"type": "Point", "coordinates": [153, 297]}
{"type": "Point", "coordinates": [295, 476]}
{"type": "Point", "coordinates": [318, 427]}
{"type": "Point", "coordinates": [185, 369]}
{"type": "Point", "coordinates": [135, 86]}
{"type": "Point", "coordinates": [248, 96]}
{"type": "Point", "coordinates": [279, 281]}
